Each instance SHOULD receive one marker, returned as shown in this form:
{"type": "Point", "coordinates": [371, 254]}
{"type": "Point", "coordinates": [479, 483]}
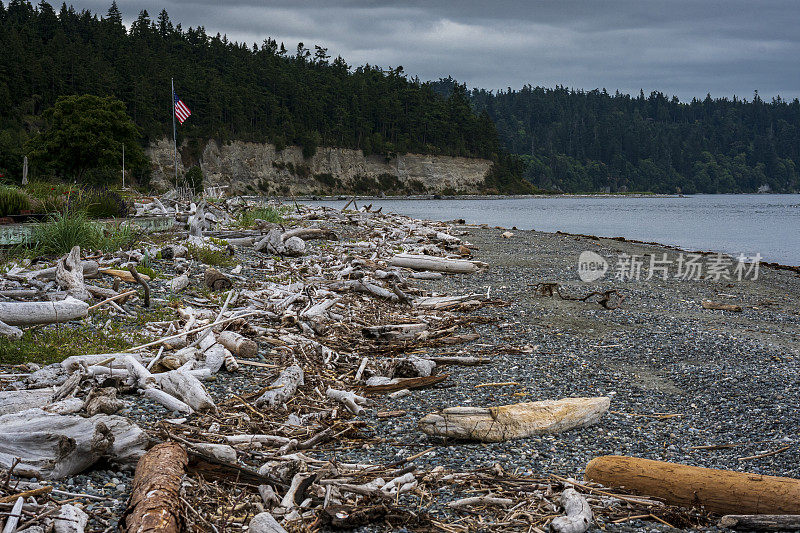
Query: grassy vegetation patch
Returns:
{"type": "Point", "coordinates": [273, 214]}
{"type": "Point", "coordinates": [210, 256]}
{"type": "Point", "coordinates": [61, 233]}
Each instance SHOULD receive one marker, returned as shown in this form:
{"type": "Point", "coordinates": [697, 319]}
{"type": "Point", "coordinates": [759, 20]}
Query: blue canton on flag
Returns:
{"type": "Point", "coordinates": [182, 112]}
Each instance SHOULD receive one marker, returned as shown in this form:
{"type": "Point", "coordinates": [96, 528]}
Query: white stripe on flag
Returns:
{"type": "Point", "coordinates": [181, 111]}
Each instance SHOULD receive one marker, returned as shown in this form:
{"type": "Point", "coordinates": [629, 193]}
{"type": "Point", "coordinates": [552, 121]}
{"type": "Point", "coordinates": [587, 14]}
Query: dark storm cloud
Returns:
{"type": "Point", "coordinates": [682, 47]}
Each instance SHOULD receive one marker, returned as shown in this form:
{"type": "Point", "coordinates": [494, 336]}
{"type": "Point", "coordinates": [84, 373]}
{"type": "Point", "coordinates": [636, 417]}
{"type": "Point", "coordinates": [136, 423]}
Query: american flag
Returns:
{"type": "Point", "coordinates": [182, 111]}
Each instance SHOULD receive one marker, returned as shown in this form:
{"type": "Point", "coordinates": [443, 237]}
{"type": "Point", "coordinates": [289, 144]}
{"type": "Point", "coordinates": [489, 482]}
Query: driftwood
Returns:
{"type": "Point", "coordinates": [294, 247]}
{"type": "Point", "coordinates": [766, 522]}
{"type": "Point", "coordinates": [70, 519]}
{"type": "Point", "coordinates": [578, 514]}
{"type": "Point", "coordinates": [14, 401]}
{"type": "Point", "coordinates": [497, 424]}
{"type": "Point", "coordinates": [352, 401]}
{"type": "Point", "coordinates": [717, 306]}
{"type": "Point", "coordinates": [69, 275]}
{"type": "Point", "coordinates": [405, 383]}
{"type": "Point", "coordinates": [308, 234]}
{"type": "Point", "coordinates": [123, 275]}
{"type": "Point", "coordinates": [187, 388]}
{"type": "Point", "coordinates": [155, 502]}
{"type": "Point", "coordinates": [12, 332]}
{"type": "Point", "coordinates": [238, 344]}
{"type": "Point", "coordinates": [90, 270]}
{"type": "Point", "coordinates": [265, 523]}
{"type": "Point", "coordinates": [216, 280]}
{"type": "Point", "coordinates": [393, 332]}
{"type": "Point", "coordinates": [433, 263]}
{"type": "Point", "coordinates": [282, 388]}
{"type": "Point", "coordinates": [53, 446]}
{"type": "Point", "coordinates": [34, 313]}
{"type": "Point", "coordinates": [718, 491]}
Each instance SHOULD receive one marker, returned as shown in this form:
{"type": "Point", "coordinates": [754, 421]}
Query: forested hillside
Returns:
{"type": "Point", "coordinates": [592, 141]}
{"type": "Point", "coordinates": [258, 92]}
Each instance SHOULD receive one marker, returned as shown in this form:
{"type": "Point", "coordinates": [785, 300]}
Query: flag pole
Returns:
{"type": "Point", "coordinates": [174, 134]}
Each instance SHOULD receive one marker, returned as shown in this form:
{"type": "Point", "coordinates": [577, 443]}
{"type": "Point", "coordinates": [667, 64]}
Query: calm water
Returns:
{"type": "Point", "coordinates": [765, 223]}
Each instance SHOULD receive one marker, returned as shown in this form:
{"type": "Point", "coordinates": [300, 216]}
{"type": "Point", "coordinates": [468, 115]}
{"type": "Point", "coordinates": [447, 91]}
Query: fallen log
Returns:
{"type": "Point", "coordinates": [187, 388]}
{"type": "Point", "coordinates": [308, 234]}
{"type": "Point", "coordinates": [155, 503]}
{"type": "Point", "coordinates": [90, 270]}
{"type": "Point", "coordinates": [12, 332]}
{"type": "Point", "coordinates": [718, 491]}
{"type": "Point", "coordinates": [433, 263]}
{"type": "Point", "coordinates": [765, 522]}
{"type": "Point", "coordinates": [282, 388]}
{"type": "Point", "coordinates": [34, 313]}
{"type": "Point", "coordinates": [216, 280]}
{"type": "Point", "coordinates": [14, 401]}
{"type": "Point", "coordinates": [515, 421]}
{"type": "Point", "coordinates": [718, 306]}
{"type": "Point", "coordinates": [391, 332]}
{"type": "Point", "coordinates": [238, 344]}
{"type": "Point", "coordinates": [123, 275]}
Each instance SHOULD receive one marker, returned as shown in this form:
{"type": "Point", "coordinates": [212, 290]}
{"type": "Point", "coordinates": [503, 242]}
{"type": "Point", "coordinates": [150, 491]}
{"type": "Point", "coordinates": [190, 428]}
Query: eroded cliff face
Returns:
{"type": "Point", "coordinates": [254, 168]}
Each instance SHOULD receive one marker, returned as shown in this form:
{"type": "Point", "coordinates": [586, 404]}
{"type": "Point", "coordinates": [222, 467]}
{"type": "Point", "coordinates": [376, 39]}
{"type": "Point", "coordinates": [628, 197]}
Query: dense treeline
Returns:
{"type": "Point", "coordinates": [258, 93]}
{"type": "Point", "coordinates": [580, 141]}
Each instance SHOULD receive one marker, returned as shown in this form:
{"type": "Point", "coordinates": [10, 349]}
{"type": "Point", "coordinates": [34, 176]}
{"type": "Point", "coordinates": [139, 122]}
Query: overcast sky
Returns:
{"type": "Point", "coordinates": [682, 47]}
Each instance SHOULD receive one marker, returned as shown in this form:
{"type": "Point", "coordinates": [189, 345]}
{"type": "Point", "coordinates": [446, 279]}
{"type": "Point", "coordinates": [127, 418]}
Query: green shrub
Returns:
{"type": "Point", "coordinates": [210, 256]}
{"type": "Point", "coordinates": [269, 213]}
{"type": "Point", "coordinates": [13, 201]}
{"type": "Point", "coordinates": [98, 203]}
{"type": "Point", "coordinates": [62, 232]}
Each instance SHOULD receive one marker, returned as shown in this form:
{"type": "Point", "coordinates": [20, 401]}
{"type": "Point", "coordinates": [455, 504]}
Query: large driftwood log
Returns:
{"type": "Point", "coordinates": [765, 522]}
{"type": "Point", "coordinates": [433, 263]}
{"type": "Point", "coordinates": [14, 401]}
{"type": "Point", "coordinates": [12, 332]}
{"type": "Point", "coordinates": [54, 446]}
{"type": "Point", "coordinates": [69, 275]}
{"type": "Point", "coordinates": [282, 388]}
{"type": "Point", "coordinates": [308, 234]}
{"type": "Point", "coordinates": [265, 523]}
{"type": "Point", "coordinates": [394, 332]}
{"type": "Point", "coordinates": [238, 344]}
{"type": "Point", "coordinates": [718, 491]}
{"type": "Point", "coordinates": [578, 514]}
{"type": "Point", "coordinates": [34, 313]}
{"type": "Point", "coordinates": [496, 424]}
{"type": "Point", "coordinates": [155, 502]}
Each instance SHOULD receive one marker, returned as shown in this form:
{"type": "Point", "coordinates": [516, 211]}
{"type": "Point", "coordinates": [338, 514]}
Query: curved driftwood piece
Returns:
{"type": "Point", "coordinates": [433, 263]}
{"type": "Point", "coordinates": [516, 421]}
{"type": "Point", "coordinates": [34, 313]}
{"type": "Point", "coordinates": [238, 344]}
{"type": "Point", "coordinates": [352, 401]}
{"type": "Point", "coordinates": [764, 522]}
{"type": "Point", "coordinates": [578, 514]}
{"type": "Point", "coordinates": [69, 275]}
{"type": "Point", "coordinates": [282, 388]}
{"type": "Point", "coordinates": [155, 502]}
{"type": "Point", "coordinates": [718, 491]}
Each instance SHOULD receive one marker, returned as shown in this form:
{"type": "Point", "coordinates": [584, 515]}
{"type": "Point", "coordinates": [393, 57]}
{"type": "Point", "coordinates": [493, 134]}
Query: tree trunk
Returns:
{"type": "Point", "coordinates": [238, 344]}
{"type": "Point", "coordinates": [433, 263]}
{"type": "Point", "coordinates": [719, 491]}
{"type": "Point", "coordinates": [35, 313]}
{"type": "Point", "coordinates": [69, 275]}
{"type": "Point", "coordinates": [155, 504]}
{"type": "Point", "coordinates": [497, 424]}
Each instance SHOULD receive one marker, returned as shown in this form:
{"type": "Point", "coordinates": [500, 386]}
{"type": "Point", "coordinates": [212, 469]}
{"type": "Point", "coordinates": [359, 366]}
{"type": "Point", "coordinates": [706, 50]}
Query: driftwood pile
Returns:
{"type": "Point", "coordinates": [332, 329]}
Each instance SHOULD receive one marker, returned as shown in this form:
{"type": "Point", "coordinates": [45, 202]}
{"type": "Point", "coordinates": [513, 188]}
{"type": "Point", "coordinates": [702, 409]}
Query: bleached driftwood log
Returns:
{"type": "Point", "coordinates": [718, 491]}
{"type": "Point", "coordinates": [578, 514]}
{"type": "Point", "coordinates": [33, 313]}
{"type": "Point", "coordinates": [155, 502]}
{"type": "Point", "coordinates": [413, 367]}
{"type": "Point", "coordinates": [215, 357]}
{"type": "Point", "coordinates": [308, 234]}
{"type": "Point", "coordinates": [177, 284]}
{"type": "Point", "coordinates": [90, 270]}
{"type": "Point", "coordinates": [352, 401]}
{"type": "Point", "coordinates": [480, 500]}
{"type": "Point", "coordinates": [187, 388]}
{"type": "Point", "coordinates": [54, 446]}
{"type": "Point", "coordinates": [117, 360]}
{"type": "Point", "coordinates": [282, 388]}
{"type": "Point", "coordinates": [223, 452]}
{"type": "Point", "coordinates": [238, 344]}
{"type": "Point", "coordinates": [436, 264]}
{"type": "Point", "coordinates": [12, 332]}
{"type": "Point", "coordinates": [515, 421]}
{"type": "Point", "coordinates": [167, 400]}
{"type": "Point", "coordinates": [69, 275]}
{"type": "Point", "coordinates": [14, 516]}
{"type": "Point", "coordinates": [14, 401]}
